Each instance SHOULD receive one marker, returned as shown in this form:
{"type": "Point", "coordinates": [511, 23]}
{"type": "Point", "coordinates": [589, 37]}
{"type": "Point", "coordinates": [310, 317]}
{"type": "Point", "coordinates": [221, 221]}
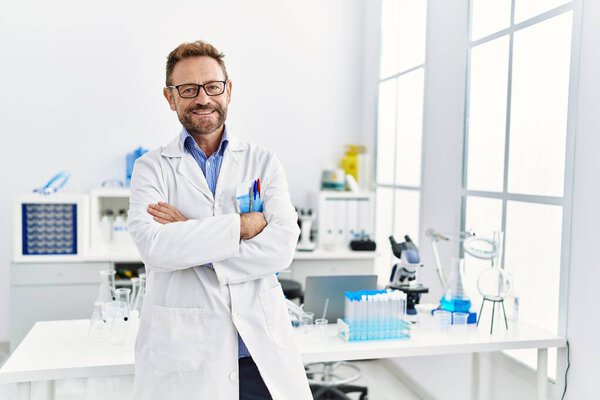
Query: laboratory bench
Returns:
{"type": "Point", "coordinates": [46, 288]}
{"type": "Point", "coordinates": [56, 350]}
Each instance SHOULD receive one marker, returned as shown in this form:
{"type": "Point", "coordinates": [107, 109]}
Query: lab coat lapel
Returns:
{"type": "Point", "coordinates": [228, 165]}
{"type": "Point", "coordinates": [192, 173]}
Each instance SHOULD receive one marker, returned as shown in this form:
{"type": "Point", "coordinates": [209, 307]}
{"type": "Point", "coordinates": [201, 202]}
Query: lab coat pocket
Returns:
{"type": "Point", "coordinates": [177, 338]}
{"type": "Point", "coordinates": [242, 196]}
{"type": "Point", "coordinates": [276, 314]}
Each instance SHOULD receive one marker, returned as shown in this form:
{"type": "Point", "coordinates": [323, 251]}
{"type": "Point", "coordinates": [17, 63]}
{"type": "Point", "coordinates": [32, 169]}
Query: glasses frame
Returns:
{"type": "Point", "coordinates": [200, 87]}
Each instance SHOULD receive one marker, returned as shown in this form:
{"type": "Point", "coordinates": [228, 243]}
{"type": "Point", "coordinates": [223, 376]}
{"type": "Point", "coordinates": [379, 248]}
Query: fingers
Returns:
{"type": "Point", "coordinates": [165, 213]}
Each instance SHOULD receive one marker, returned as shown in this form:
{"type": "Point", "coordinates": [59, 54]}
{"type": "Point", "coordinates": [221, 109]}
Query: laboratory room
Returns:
{"type": "Point", "coordinates": [342, 199]}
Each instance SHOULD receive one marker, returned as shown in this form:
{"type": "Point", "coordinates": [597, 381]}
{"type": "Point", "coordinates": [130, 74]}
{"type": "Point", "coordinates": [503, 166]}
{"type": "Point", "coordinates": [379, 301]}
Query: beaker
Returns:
{"type": "Point", "coordinates": [455, 298]}
{"type": "Point", "coordinates": [106, 293]}
{"type": "Point", "coordinates": [135, 286]}
{"type": "Point", "coordinates": [120, 317]}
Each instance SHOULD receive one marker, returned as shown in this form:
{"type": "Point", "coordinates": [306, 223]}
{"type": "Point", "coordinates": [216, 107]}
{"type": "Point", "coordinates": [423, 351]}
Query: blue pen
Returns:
{"type": "Point", "coordinates": [254, 190]}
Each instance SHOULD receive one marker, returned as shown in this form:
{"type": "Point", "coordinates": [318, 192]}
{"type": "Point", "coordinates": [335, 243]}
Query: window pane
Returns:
{"type": "Point", "coordinates": [487, 115]}
{"type": "Point", "coordinates": [383, 229]}
{"type": "Point", "coordinates": [525, 9]}
{"type": "Point", "coordinates": [533, 254]}
{"type": "Point", "coordinates": [390, 15]}
{"type": "Point", "coordinates": [411, 44]}
{"type": "Point", "coordinates": [406, 214]}
{"type": "Point", "coordinates": [385, 131]}
{"type": "Point", "coordinates": [540, 90]}
{"type": "Point", "coordinates": [409, 128]}
{"type": "Point", "coordinates": [488, 17]}
{"type": "Point", "coordinates": [483, 217]}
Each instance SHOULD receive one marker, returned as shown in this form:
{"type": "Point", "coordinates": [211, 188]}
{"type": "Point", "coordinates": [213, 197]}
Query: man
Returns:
{"type": "Point", "coordinates": [214, 323]}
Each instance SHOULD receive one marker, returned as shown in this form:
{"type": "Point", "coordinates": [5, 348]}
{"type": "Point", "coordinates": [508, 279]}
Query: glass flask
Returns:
{"type": "Point", "coordinates": [455, 298]}
{"type": "Point", "coordinates": [106, 293]}
{"type": "Point", "coordinates": [119, 310]}
{"type": "Point", "coordinates": [493, 283]}
{"type": "Point", "coordinates": [98, 325]}
{"type": "Point", "coordinates": [135, 286]}
{"type": "Point", "coordinates": [138, 302]}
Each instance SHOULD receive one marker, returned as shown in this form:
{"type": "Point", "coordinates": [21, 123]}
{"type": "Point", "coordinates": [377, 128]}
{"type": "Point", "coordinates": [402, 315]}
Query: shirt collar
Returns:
{"type": "Point", "coordinates": [189, 143]}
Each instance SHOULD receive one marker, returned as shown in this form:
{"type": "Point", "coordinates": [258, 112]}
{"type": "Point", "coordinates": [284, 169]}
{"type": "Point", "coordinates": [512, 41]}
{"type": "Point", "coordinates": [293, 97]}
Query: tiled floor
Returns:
{"type": "Point", "coordinates": [382, 385]}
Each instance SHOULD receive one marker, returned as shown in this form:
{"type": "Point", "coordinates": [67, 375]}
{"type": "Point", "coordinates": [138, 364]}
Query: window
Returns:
{"type": "Point", "coordinates": [400, 118]}
{"type": "Point", "coordinates": [515, 146]}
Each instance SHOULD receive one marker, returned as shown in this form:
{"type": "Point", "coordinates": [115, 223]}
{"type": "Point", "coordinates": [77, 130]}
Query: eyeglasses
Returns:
{"type": "Point", "coordinates": [191, 90]}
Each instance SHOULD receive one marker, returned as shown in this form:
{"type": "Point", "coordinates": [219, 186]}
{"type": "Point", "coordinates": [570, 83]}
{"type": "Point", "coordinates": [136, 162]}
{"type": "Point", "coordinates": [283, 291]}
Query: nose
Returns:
{"type": "Point", "coordinates": [202, 97]}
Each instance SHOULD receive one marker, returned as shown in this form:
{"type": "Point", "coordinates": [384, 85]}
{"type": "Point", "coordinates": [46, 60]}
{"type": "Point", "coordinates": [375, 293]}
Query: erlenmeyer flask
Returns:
{"type": "Point", "coordinates": [455, 298]}
{"type": "Point", "coordinates": [120, 313]}
{"type": "Point", "coordinates": [135, 286]}
{"type": "Point", "coordinates": [106, 293]}
{"type": "Point", "coordinates": [98, 325]}
{"type": "Point", "coordinates": [138, 302]}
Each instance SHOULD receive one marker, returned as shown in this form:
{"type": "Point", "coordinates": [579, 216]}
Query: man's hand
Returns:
{"type": "Point", "coordinates": [251, 224]}
{"type": "Point", "coordinates": [165, 213]}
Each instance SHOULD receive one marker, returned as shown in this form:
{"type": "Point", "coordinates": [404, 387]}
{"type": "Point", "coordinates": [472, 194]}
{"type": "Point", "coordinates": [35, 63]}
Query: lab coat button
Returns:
{"type": "Point", "coordinates": [232, 376]}
{"type": "Point", "coordinates": [234, 316]}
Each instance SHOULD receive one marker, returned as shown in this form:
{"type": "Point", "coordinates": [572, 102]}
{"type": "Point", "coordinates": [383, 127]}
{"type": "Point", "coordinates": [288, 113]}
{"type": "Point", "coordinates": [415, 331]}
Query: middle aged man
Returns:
{"type": "Point", "coordinates": [211, 260]}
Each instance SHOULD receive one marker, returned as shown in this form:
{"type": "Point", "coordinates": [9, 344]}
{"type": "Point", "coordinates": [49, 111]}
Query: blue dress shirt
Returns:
{"type": "Point", "coordinates": [211, 166]}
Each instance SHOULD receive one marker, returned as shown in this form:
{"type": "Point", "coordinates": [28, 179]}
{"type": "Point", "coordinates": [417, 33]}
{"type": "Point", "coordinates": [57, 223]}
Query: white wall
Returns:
{"type": "Point", "coordinates": [82, 86]}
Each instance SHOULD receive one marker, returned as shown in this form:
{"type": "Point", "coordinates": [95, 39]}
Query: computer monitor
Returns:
{"type": "Point", "coordinates": [320, 288]}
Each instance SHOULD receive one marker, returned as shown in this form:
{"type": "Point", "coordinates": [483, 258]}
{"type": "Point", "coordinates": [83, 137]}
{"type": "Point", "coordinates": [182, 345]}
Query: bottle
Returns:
{"type": "Point", "coordinates": [120, 233]}
{"type": "Point", "coordinates": [106, 222]}
{"type": "Point", "coordinates": [455, 298]}
{"type": "Point", "coordinates": [349, 162]}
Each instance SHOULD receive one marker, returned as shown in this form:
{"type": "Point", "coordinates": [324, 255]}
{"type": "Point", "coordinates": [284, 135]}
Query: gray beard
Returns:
{"type": "Point", "coordinates": [195, 128]}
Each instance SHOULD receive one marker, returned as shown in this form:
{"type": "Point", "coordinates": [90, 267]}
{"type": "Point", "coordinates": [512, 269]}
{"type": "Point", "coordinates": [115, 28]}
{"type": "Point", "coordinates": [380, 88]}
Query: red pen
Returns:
{"type": "Point", "coordinates": [258, 182]}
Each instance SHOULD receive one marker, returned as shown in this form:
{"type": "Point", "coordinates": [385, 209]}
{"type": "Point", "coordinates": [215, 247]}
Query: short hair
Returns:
{"type": "Point", "coordinates": [198, 48]}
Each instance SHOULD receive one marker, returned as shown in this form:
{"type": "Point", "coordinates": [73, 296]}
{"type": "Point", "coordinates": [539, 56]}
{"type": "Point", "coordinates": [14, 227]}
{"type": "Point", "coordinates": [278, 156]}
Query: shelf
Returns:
{"type": "Point", "coordinates": [334, 255]}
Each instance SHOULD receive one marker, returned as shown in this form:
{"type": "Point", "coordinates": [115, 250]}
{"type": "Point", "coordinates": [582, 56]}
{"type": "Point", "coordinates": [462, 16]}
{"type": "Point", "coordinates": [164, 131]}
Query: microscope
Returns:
{"type": "Point", "coordinates": [404, 273]}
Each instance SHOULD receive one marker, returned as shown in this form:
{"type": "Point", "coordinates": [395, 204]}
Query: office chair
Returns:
{"type": "Point", "coordinates": [325, 378]}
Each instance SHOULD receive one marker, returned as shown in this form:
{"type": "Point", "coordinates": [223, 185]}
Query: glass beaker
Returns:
{"type": "Point", "coordinates": [106, 293]}
{"type": "Point", "coordinates": [135, 287]}
{"type": "Point", "coordinates": [455, 298]}
{"type": "Point", "coordinates": [120, 317]}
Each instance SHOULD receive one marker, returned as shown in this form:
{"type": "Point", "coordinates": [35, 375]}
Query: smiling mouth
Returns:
{"type": "Point", "coordinates": [203, 112]}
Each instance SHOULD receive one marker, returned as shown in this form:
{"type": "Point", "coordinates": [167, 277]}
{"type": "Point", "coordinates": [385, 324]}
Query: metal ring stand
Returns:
{"type": "Point", "coordinates": [493, 300]}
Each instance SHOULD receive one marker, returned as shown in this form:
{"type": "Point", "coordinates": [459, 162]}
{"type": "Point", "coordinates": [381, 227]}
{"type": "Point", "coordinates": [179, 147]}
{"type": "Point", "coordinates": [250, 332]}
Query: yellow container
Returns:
{"type": "Point", "coordinates": [349, 162]}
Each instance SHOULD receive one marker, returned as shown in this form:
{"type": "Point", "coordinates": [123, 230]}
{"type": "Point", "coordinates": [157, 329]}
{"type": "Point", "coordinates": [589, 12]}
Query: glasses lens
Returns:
{"type": "Point", "coordinates": [188, 91]}
{"type": "Point", "coordinates": [214, 88]}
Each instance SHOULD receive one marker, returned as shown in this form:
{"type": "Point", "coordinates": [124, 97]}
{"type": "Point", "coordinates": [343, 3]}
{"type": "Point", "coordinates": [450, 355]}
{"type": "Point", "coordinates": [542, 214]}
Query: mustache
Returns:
{"type": "Point", "coordinates": [200, 107]}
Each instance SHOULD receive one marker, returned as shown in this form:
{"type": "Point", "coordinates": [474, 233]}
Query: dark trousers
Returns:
{"type": "Point", "coordinates": [252, 386]}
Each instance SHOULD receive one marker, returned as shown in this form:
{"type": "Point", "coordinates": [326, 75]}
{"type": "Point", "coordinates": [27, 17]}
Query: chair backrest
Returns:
{"type": "Point", "coordinates": [320, 288]}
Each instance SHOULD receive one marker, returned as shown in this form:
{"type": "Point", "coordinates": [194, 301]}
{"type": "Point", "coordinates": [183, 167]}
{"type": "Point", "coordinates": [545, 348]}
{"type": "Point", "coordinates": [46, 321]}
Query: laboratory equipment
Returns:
{"type": "Point", "coordinates": [106, 293]}
{"type": "Point", "coordinates": [321, 323]}
{"type": "Point", "coordinates": [374, 315]}
{"type": "Point", "coordinates": [404, 274]}
{"type": "Point", "coordinates": [138, 302]}
{"type": "Point", "coordinates": [135, 287]}
{"type": "Point", "coordinates": [455, 299]}
{"type": "Point", "coordinates": [50, 225]}
{"type": "Point", "coordinates": [54, 184]}
{"type": "Point", "coordinates": [459, 318]}
{"type": "Point", "coordinates": [306, 219]}
{"type": "Point", "coordinates": [492, 283]}
{"type": "Point", "coordinates": [98, 325]}
{"type": "Point", "coordinates": [442, 319]}
{"type": "Point", "coordinates": [118, 312]}
{"type": "Point", "coordinates": [320, 288]}
{"type": "Point", "coordinates": [130, 161]}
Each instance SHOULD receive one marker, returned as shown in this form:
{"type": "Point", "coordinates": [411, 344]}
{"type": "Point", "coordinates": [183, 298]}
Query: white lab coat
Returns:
{"type": "Point", "coordinates": [187, 346]}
